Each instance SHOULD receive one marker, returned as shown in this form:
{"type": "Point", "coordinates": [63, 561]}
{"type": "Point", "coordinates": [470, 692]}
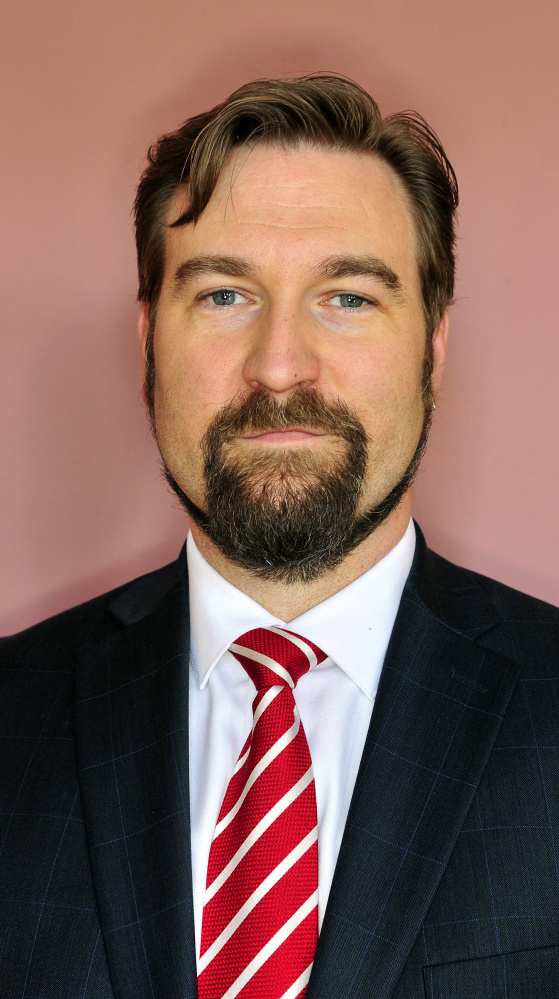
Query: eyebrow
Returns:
{"type": "Point", "coordinates": [332, 267]}
{"type": "Point", "coordinates": [353, 266]}
{"type": "Point", "coordinates": [210, 264]}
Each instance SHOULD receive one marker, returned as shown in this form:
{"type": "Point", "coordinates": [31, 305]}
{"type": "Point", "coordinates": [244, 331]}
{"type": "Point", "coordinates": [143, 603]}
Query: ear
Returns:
{"type": "Point", "coordinates": [439, 353]}
{"type": "Point", "coordinates": [142, 327]}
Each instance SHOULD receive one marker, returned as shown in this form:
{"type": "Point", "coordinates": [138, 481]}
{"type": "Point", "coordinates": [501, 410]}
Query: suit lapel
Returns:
{"type": "Point", "coordinates": [132, 743]}
{"type": "Point", "coordinates": [438, 710]}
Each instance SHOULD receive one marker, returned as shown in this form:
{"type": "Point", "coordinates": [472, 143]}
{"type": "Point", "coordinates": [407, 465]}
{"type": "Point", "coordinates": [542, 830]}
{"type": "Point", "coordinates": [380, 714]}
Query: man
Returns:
{"type": "Point", "coordinates": [311, 758]}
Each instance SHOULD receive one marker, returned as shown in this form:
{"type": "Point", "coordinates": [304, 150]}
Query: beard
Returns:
{"type": "Point", "coordinates": [285, 514]}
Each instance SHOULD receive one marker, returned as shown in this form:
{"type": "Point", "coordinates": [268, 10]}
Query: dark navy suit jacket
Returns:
{"type": "Point", "coordinates": [447, 883]}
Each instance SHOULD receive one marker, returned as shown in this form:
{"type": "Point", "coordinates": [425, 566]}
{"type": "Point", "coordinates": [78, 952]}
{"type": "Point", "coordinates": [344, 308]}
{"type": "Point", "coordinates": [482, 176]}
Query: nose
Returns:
{"type": "Point", "coordinates": [281, 357]}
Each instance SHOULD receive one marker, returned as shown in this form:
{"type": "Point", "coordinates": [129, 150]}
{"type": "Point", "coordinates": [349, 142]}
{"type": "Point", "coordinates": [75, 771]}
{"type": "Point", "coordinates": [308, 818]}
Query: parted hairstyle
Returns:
{"type": "Point", "coordinates": [322, 110]}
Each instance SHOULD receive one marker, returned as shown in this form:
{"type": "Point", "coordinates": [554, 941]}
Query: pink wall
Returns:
{"type": "Point", "coordinates": [86, 86]}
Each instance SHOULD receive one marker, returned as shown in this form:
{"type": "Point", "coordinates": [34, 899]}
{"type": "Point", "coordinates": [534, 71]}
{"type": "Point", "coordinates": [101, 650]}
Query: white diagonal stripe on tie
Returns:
{"type": "Point", "coordinates": [241, 762]}
{"type": "Point", "coordinates": [299, 642]}
{"type": "Point", "coordinates": [267, 699]}
{"type": "Point", "coordinates": [283, 933]}
{"type": "Point", "coordinates": [299, 985]}
{"type": "Point", "coordinates": [259, 831]}
{"type": "Point", "coordinates": [259, 657]}
{"type": "Point", "coordinates": [269, 757]}
{"type": "Point", "coordinates": [256, 897]}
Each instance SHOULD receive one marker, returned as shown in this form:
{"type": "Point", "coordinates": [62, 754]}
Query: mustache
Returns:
{"type": "Point", "coordinates": [304, 408]}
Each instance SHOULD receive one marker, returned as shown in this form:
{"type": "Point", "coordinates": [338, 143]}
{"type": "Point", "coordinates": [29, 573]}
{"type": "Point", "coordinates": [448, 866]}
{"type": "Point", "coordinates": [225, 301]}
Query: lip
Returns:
{"type": "Point", "coordinates": [290, 435]}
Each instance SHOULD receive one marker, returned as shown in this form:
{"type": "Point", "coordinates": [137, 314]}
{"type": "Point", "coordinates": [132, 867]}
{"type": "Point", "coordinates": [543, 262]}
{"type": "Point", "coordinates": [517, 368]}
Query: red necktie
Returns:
{"type": "Point", "coordinates": [260, 920]}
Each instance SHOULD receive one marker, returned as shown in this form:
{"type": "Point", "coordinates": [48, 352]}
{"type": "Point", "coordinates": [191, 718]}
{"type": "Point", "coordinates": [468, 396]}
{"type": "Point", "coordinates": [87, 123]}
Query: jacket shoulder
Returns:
{"type": "Point", "coordinates": [52, 640]}
{"type": "Point", "coordinates": [507, 601]}
{"type": "Point", "coordinates": [503, 619]}
{"type": "Point", "coordinates": [516, 606]}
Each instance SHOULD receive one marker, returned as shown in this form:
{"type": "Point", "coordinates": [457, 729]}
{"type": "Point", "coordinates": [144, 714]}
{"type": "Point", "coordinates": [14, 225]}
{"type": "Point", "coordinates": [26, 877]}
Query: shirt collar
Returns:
{"type": "Point", "coordinates": [352, 627]}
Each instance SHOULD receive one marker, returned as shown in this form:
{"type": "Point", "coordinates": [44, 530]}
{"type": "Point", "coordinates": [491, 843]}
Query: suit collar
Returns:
{"type": "Point", "coordinates": [452, 595]}
{"type": "Point", "coordinates": [144, 595]}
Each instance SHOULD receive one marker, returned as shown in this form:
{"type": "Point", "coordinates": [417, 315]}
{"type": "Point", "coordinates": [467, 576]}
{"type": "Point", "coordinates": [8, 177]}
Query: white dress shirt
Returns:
{"type": "Point", "coordinates": [335, 699]}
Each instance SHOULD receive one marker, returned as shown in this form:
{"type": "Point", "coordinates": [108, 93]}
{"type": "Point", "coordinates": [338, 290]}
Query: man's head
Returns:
{"type": "Point", "coordinates": [296, 263]}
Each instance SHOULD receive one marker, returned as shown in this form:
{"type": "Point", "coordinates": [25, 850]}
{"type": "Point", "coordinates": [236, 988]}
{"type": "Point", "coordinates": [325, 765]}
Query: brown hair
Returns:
{"type": "Point", "coordinates": [323, 110]}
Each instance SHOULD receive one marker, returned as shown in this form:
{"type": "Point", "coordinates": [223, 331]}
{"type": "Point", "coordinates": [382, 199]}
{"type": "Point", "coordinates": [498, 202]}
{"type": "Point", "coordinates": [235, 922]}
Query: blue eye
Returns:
{"type": "Point", "coordinates": [225, 296]}
{"type": "Point", "coordinates": [348, 301]}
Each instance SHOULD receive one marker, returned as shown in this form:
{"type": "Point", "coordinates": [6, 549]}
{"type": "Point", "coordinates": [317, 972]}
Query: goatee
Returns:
{"type": "Point", "coordinates": [289, 514]}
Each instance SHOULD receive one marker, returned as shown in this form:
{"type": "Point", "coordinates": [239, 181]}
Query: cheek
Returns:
{"type": "Point", "coordinates": [182, 373]}
{"type": "Point", "coordinates": [194, 379]}
{"type": "Point", "coordinates": [386, 379]}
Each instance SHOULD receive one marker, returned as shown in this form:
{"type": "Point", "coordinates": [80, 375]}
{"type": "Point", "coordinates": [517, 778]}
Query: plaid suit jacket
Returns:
{"type": "Point", "coordinates": [447, 883]}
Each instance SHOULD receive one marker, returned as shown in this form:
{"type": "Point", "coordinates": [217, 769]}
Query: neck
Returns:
{"type": "Point", "coordinates": [288, 601]}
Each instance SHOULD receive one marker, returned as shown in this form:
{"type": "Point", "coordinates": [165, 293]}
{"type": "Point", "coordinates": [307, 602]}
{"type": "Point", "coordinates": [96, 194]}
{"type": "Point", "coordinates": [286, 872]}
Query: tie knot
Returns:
{"type": "Point", "coordinates": [275, 656]}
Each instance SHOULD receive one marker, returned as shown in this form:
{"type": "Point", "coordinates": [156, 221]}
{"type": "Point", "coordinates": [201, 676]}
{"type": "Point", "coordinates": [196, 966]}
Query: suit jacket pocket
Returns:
{"type": "Point", "coordinates": [524, 974]}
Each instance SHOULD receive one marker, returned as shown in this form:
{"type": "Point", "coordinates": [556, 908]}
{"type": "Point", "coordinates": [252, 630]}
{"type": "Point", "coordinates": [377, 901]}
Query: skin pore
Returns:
{"type": "Point", "coordinates": [299, 275]}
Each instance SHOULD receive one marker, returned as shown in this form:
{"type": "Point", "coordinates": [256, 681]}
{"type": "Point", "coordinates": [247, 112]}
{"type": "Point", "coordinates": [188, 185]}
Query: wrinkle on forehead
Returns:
{"type": "Point", "coordinates": [352, 201]}
{"type": "Point", "coordinates": [302, 177]}
{"type": "Point", "coordinates": [271, 194]}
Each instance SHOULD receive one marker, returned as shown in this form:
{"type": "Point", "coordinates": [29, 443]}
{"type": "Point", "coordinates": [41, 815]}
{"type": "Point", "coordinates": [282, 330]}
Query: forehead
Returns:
{"type": "Point", "coordinates": [290, 206]}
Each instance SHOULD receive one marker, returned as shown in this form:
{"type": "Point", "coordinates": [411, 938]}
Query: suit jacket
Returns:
{"type": "Point", "coordinates": [447, 882]}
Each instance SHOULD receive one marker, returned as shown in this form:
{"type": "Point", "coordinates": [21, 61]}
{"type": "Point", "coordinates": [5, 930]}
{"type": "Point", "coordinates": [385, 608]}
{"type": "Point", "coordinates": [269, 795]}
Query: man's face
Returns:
{"type": "Point", "coordinates": [297, 287]}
